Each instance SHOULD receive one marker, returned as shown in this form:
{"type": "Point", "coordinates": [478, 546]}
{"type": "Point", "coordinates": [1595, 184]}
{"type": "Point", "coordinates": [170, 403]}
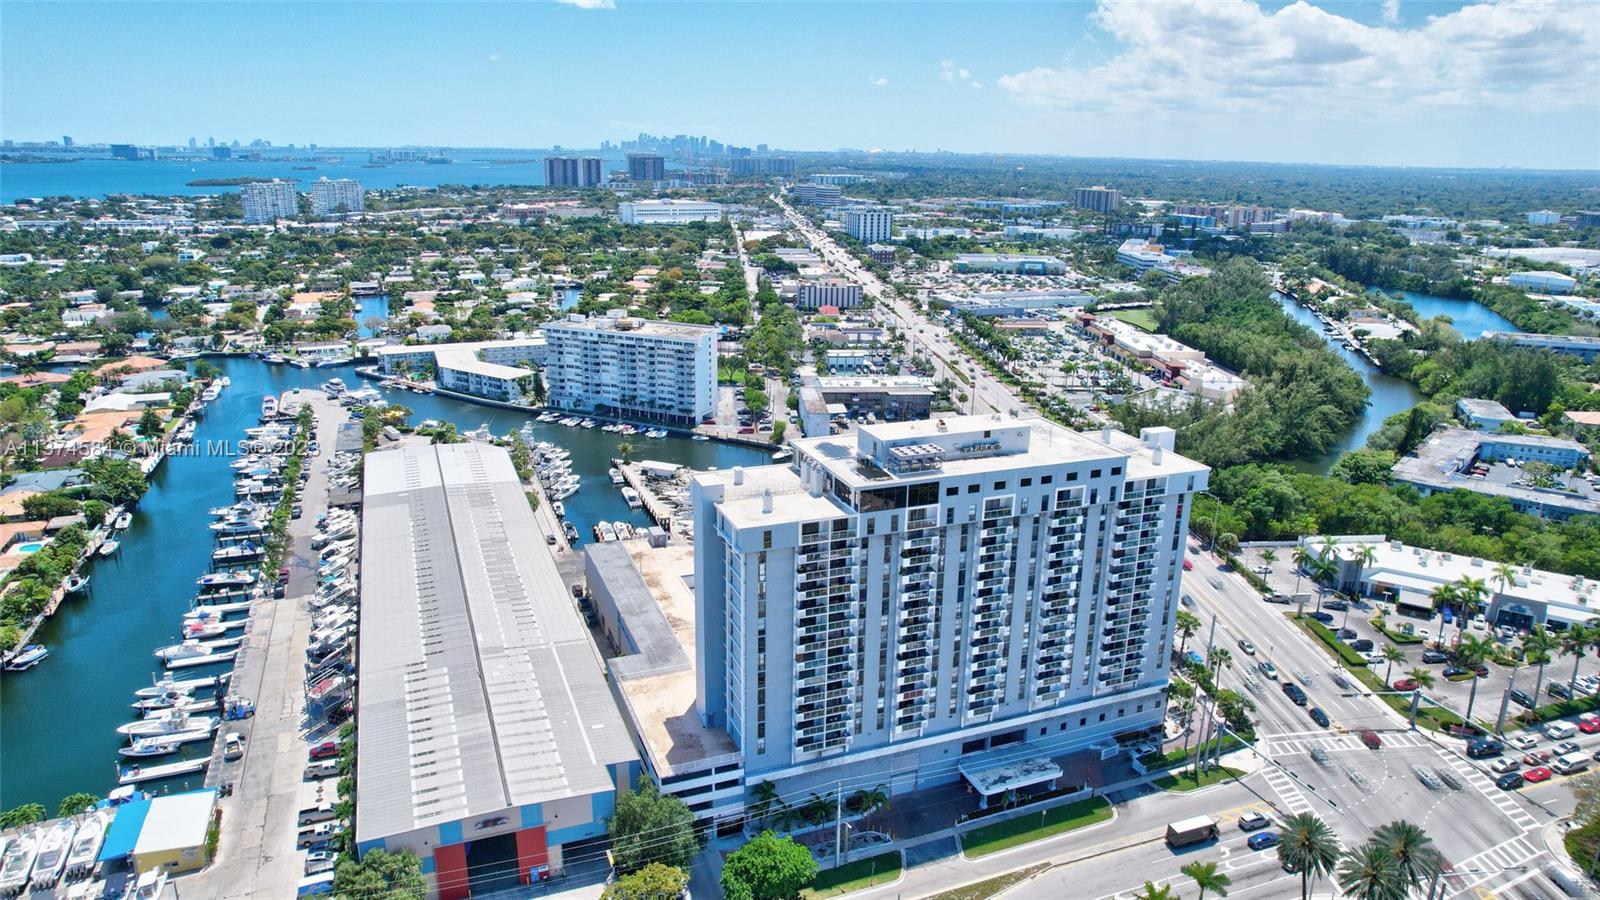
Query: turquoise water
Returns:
{"type": "Point", "coordinates": [1469, 317]}
{"type": "Point", "coordinates": [167, 177]}
{"type": "Point", "coordinates": [30, 547]}
{"type": "Point", "coordinates": [1389, 394]}
{"type": "Point", "coordinates": [58, 720]}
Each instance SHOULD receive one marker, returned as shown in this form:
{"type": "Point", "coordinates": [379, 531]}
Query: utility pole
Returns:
{"type": "Point", "coordinates": [1416, 701]}
{"type": "Point", "coordinates": [1505, 701]}
{"type": "Point", "coordinates": [838, 822]}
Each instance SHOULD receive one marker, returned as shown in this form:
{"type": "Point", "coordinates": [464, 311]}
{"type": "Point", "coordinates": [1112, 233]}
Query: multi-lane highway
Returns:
{"type": "Point", "coordinates": [985, 393]}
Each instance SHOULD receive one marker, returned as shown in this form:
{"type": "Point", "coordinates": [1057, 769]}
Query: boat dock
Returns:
{"type": "Point", "coordinates": [137, 774]}
{"type": "Point", "coordinates": [659, 510]}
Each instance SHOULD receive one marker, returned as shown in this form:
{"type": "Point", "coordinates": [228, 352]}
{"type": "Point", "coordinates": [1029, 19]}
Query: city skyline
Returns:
{"type": "Point", "coordinates": [1455, 85]}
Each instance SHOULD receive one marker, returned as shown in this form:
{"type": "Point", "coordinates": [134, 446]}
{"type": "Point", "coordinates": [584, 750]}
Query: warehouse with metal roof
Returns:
{"type": "Point", "coordinates": [488, 737]}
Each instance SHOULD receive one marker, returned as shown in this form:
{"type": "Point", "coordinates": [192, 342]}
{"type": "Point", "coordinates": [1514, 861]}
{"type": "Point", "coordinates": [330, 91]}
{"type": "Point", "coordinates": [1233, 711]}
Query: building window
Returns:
{"type": "Point", "coordinates": [1027, 482]}
{"type": "Point", "coordinates": [999, 485]}
{"type": "Point", "coordinates": [1072, 476]}
{"type": "Point", "coordinates": [766, 539]}
{"type": "Point", "coordinates": [1116, 470]}
{"type": "Point", "coordinates": [951, 491]}
{"type": "Point", "coordinates": [972, 489]}
{"type": "Point", "coordinates": [1094, 473]}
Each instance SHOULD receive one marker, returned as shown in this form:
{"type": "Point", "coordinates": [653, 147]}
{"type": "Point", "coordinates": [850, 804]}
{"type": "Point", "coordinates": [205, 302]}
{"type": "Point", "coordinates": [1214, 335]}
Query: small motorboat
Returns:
{"type": "Point", "coordinates": [559, 508]}
{"type": "Point", "coordinates": [17, 864]}
{"type": "Point", "coordinates": [27, 658]}
{"type": "Point", "coordinates": [615, 475]}
{"type": "Point", "coordinates": [173, 721]}
{"type": "Point", "coordinates": [782, 455]}
{"type": "Point", "coordinates": [150, 886]}
{"type": "Point", "coordinates": [269, 407]}
{"type": "Point", "coordinates": [85, 850]}
{"type": "Point", "coordinates": [700, 437]}
{"type": "Point", "coordinates": [571, 532]}
{"type": "Point", "coordinates": [192, 649]}
{"type": "Point", "coordinates": [123, 521]}
{"type": "Point", "coordinates": [225, 579]}
{"type": "Point", "coordinates": [75, 583]}
{"type": "Point", "coordinates": [54, 846]}
{"type": "Point", "coordinates": [108, 548]}
{"type": "Point", "coordinates": [169, 685]}
{"type": "Point", "coordinates": [161, 745]}
{"type": "Point", "coordinates": [633, 498]}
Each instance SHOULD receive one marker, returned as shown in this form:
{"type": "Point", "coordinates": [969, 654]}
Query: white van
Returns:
{"type": "Point", "coordinates": [1560, 731]}
{"type": "Point", "coordinates": [1571, 764]}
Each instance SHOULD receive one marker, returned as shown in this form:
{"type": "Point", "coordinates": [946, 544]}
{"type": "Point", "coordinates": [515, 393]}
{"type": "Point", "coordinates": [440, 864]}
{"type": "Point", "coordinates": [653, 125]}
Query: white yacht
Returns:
{"type": "Point", "coordinates": [108, 548]}
{"type": "Point", "coordinates": [123, 521]}
{"type": "Point", "coordinates": [85, 850]}
{"type": "Point", "coordinates": [174, 721]}
{"type": "Point", "coordinates": [225, 579]}
{"type": "Point", "coordinates": [75, 583]}
{"type": "Point", "coordinates": [269, 407]}
{"type": "Point", "coordinates": [615, 474]}
{"type": "Point", "coordinates": [53, 849]}
{"type": "Point", "coordinates": [633, 498]}
{"type": "Point", "coordinates": [27, 658]}
{"type": "Point", "coordinates": [17, 864]}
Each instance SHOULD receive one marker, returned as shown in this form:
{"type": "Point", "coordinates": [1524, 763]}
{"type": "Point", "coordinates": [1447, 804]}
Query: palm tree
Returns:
{"type": "Point", "coordinates": [1412, 850]}
{"type": "Point", "coordinates": [1536, 647]}
{"type": "Point", "coordinates": [1186, 708]}
{"type": "Point", "coordinates": [1391, 655]}
{"type": "Point", "coordinates": [625, 450]}
{"type": "Point", "coordinates": [1442, 596]}
{"type": "Point", "coordinates": [1207, 878]}
{"type": "Point", "coordinates": [1423, 677]}
{"type": "Point", "coordinates": [1309, 847]}
{"type": "Point", "coordinates": [1574, 641]}
{"type": "Point", "coordinates": [1506, 574]}
{"type": "Point", "coordinates": [1187, 624]}
{"type": "Point", "coordinates": [1363, 557]}
{"type": "Point", "coordinates": [1323, 571]}
{"type": "Point", "coordinates": [1151, 891]}
{"type": "Point", "coordinates": [1221, 658]}
{"type": "Point", "coordinates": [1302, 558]}
{"type": "Point", "coordinates": [1268, 557]}
{"type": "Point", "coordinates": [1470, 653]}
{"type": "Point", "coordinates": [1470, 591]}
{"type": "Point", "coordinates": [1370, 873]}
{"type": "Point", "coordinates": [764, 797]}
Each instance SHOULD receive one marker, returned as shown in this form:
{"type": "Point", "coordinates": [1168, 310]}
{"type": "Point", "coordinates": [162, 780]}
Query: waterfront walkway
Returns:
{"type": "Point", "coordinates": [256, 854]}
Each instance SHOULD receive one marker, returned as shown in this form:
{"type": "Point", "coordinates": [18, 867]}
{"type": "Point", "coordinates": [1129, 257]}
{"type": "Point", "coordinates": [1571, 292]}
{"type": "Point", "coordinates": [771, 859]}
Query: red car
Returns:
{"type": "Point", "coordinates": [1405, 684]}
{"type": "Point", "coordinates": [325, 750]}
{"type": "Point", "coordinates": [1371, 739]}
{"type": "Point", "coordinates": [1188, 565]}
{"type": "Point", "coordinates": [1589, 726]}
{"type": "Point", "coordinates": [1537, 773]}
{"type": "Point", "coordinates": [1536, 757]}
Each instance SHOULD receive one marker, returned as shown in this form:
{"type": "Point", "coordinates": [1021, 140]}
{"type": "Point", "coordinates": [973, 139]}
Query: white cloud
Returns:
{"type": "Point", "coordinates": [963, 74]}
{"type": "Point", "coordinates": [877, 81]}
{"type": "Point", "coordinates": [1391, 11]}
{"type": "Point", "coordinates": [1210, 58]}
{"type": "Point", "coordinates": [494, 57]}
{"type": "Point", "coordinates": [947, 70]}
{"type": "Point", "coordinates": [977, 84]}
{"type": "Point", "coordinates": [589, 4]}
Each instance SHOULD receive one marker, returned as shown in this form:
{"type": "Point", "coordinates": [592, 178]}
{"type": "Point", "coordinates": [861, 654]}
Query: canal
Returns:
{"type": "Point", "coordinates": [58, 720]}
{"type": "Point", "coordinates": [1391, 395]}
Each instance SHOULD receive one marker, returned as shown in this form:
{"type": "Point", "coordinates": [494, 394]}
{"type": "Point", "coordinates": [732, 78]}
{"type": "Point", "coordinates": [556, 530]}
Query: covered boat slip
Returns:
{"type": "Point", "coordinates": [1006, 769]}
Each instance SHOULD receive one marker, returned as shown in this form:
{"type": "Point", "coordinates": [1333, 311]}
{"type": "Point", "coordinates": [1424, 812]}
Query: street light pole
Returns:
{"type": "Point", "coordinates": [1505, 701]}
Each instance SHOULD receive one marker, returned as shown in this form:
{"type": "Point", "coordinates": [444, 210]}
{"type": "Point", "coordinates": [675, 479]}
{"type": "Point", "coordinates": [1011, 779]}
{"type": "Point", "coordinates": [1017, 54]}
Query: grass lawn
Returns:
{"type": "Point", "coordinates": [1138, 318]}
{"type": "Point", "coordinates": [982, 890]}
{"type": "Point", "coordinates": [1030, 827]}
{"type": "Point", "coordinates": [1400, 637]}
{"type": "Point", "coordinates": [863, 873]}
{"type": "Point", "coordinates": [1465, 676]}
{"type": "Point", "coordinates": [1185, 780]}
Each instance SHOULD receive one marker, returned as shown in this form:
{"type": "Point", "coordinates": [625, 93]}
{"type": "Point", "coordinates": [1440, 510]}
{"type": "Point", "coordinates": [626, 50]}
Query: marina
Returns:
{"type": "Point", "coordinates": [100, 646]}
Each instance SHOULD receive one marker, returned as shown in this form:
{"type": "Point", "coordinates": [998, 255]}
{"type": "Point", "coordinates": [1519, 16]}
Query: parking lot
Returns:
{"type": "Point", "coordinates": [1452, 690]}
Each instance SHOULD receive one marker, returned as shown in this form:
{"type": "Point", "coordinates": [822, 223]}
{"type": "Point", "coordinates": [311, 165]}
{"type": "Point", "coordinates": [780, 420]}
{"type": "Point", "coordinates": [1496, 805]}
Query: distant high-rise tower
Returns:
{"type": "Point", "coordinates": [1098, 199]}
{"type": "Point", "coordinates": [340, 195]}
{"type": "Point", "coordinates": [66, 140]}
{"type": "Point", "coordinates": [266, 202]}
{"type": "Point", "coordinates": [571, 171]}
{"type": "Point", "coordinates": [589, 171]}
{"type": "Point", "coordinates": [646, 167]}
{"type": "Point", "coordinates": [193, 143]}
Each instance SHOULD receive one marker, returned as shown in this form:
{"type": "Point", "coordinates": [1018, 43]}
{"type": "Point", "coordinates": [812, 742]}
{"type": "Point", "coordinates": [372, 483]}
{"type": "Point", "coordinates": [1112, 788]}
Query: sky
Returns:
{"type": "Point", "coordinates": [1386, 82]}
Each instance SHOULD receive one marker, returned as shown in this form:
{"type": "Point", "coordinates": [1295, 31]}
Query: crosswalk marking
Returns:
{"type": "Point", "coordinates": [1293, 799]}
{"type": "Point", "coordinates": [1503, 800]}
{"type": "Point", "coordinates": [1291, 744]}
{"type": "Point", "coordinates": [1517, 854]}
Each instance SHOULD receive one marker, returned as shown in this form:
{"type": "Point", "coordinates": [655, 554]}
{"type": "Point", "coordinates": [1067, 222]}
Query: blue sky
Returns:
{"type": "Point", "coordinates": [1406, 82]}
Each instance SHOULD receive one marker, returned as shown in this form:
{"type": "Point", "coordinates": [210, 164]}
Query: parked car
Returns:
{"type": "Point", "coordinates": [1560, 731]}
{"type": "Point", "coordinates": [233, 746]}
{"type": "Point", "coordinates": [1509, 781]}
{"type": "Point", "coordinates": [1505, 764]}
{"type": "Point", "coordinates": [1565, 747]}
{"type": "Point", "coordinates": [316, 836]}
{"type": "Point", "coordinates": [1589, 726]}
{"type": "Point", "coordinates": [324, 750]}
{"type": "Point", "coordinates": [1266, 840]}
{"type": "Point", "coordinates": [1559, 689]}
{"type": "Point", "coordinates": [1520, 697]}
{"type": "Point", "coordinates": [1524, 742]}
{"type": "Point", "coordinates": [1346, 634]}
{"type": "Point", "coordinates": [1536, 757]}
{"type": "Point", "coordinates": [1434, 656]}
{"type": "Point", "coordinates": [1188, 565]}
{"type": "Point", "coordinates": [1363, 645]}
{"type": "Point", "coordinates": [319, 861]}
{"type": "Point", "coordinates": [1322, 617]}
{"type": "Point", "coordinates": [1336, 605]}
{"type": "Point", "coordinates": [1453, 672]}
{"type": "Point", "coordinates": [1537, 774]}
{"type": "Point", "coordinates": [1483, 748]}
{"type": "Point", "coordinates": [1405, 684]}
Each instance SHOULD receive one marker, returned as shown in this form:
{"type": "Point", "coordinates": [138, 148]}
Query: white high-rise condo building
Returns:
{"type": "Point", "coordinates": [915, 603]}
{"type": "Point", "coordinates": [339, 195]}
{"type": "Point", "coordinates": [868, 225]}
{"type": "Point", "coordinates": [632, 368]}
{"type": "Point", "coordinates": [668, 212]}
{"type": "Point", "coordinates": [266, 202]}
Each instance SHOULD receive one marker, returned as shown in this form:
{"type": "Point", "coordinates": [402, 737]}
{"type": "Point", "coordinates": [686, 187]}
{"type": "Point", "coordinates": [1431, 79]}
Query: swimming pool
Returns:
{"type": "Point", "coordinates": [30, 547]}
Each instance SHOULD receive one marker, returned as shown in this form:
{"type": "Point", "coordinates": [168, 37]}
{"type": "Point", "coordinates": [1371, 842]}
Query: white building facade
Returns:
{"type": "Point", "coordinates": [632, 368]}
{"type": "Point", "coordinates": [335, 196]}
{"type": "Point", "coordinates": [868, 225]}
{"type": "Point", "coordinates": [266, 202]}
{"type": "Point", "coordinates": [827, 292]}
{"type": "Point", "coordinates": [668, 212]}
{"type": "Point", "coordinates": [910, 597]}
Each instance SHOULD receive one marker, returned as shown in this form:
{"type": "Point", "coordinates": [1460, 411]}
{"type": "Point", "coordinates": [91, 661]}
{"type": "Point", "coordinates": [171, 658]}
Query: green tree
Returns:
{"type": "Point", "coordinates": [1574, 641]}
{"type": "Point", "coordinates": [1369, 873]}
{"type": "Point", "coordinates": [150, 423]}
{"type": "Point", "coordinates": [1471, 651]}
{"type": "Point", "coordinates": [779, 427]}
{"type": "Point", "coordinates": [117, 481]}
{"type": "Point", "coordinates": [1208, 878]}
{"type": "Point", "coordinates": [1412, 850]}
{"type": "Point", "coordinates": [73, 804]}
{"type": "Point", "coordinates": [1423, 677]}
{"type": "Point", "coordinates": [625, 450]}
{"type": "Point", "coordinates": [1309, 847]}
{"type": "Point", "coordinates": [48, 506]}
{"type": "Point", "coordinates": [1187, 624]}
{"type": "Point", "coordinates": [379, 873]}
{"type": "Point", "coordinates": [653, 882]}
{"type": "Point", "coordinates": [649, 826]}
{"type": "Point", "coordinates": [1153, 891]}
{"type": "Point", "coordinates": [26, 814]}
{"type": "Point", "coordinates": [1470, 593]}
{"type": "Point", "coordinates": [1391, 655]}
{"type": "Point", "coordinates": [768, 867]}
{"type": "Point", "coordinates": [1536, 646]}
